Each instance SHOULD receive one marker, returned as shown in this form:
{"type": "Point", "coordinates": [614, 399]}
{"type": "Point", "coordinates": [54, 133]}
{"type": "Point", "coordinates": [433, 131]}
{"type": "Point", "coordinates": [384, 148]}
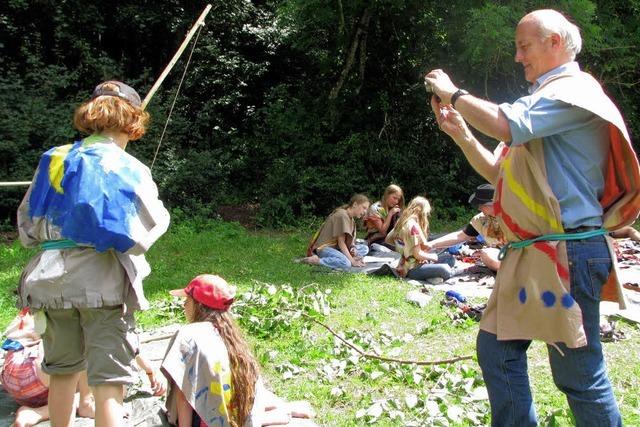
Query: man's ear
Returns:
{"type": "Point", "coordinates": [556, 41]}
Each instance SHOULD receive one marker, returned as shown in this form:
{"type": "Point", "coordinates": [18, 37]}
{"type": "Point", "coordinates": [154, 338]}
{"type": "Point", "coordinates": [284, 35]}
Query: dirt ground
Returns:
{"type": "Point", "coordinates": [244, 214]}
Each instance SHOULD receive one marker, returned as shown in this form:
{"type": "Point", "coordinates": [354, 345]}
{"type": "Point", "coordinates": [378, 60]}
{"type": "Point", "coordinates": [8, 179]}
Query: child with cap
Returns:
{"type": "Point", "coordinates": [484, 225]}
{"type": "Point", "coordinates": [213, 377]}
{"type": "Point", "coordinates": [93, 210]}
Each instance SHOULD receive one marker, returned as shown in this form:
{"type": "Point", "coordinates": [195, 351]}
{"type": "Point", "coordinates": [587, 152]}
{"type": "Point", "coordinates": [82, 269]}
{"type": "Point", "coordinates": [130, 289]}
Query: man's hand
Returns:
{"type": "Point", "coordinates": [451, 122]}
{"type": "Point", "coordinates": [441, 85]}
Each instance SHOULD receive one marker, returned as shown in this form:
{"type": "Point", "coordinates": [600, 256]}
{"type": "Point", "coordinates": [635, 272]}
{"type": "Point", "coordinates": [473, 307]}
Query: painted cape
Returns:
{"type": "Point", "coordinates": [102, 198]}
{"type": "Point", "coordinates": [531, 298]}
{"type": "Point", "coordinates": [97, 195]}
{"type": "Point", "coordinates": [197, 362]}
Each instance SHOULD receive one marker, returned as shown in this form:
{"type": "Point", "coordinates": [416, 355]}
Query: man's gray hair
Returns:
{"type": "Point", "coordinates": [553, 22]}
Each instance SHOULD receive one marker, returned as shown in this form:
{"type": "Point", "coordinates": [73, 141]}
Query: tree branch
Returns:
{"type": "Point", "coordinates": [341, 14]}
{"type": "Point", "coordinates": [362, 26]}
{"type": "Point", "coordinates": [387, 359]}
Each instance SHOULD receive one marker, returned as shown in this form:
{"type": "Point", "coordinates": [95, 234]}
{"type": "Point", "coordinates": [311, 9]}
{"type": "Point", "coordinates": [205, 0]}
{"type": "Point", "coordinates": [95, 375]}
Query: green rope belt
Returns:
{"type": "Point", "coordinates": [549, 238]}
{"type": "Point", "coordinates": [58, 244]}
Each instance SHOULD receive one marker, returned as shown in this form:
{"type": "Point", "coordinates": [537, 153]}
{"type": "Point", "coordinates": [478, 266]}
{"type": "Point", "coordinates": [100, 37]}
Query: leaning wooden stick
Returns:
{"type": "Point", "coordinates": [388, 359]}
{"type": "Point", "coordinates": [175, 58]}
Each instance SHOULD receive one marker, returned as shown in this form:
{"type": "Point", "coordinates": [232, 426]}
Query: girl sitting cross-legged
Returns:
{"type": "Point", "coordinates": [334, 245]}
{"type": "Point", "coordinates": [410, 239]}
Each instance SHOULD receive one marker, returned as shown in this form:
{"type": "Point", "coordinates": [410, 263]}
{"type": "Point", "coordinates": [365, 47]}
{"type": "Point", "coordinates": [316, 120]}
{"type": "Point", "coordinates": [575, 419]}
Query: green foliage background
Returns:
{"type": "Point", "coordinates": [290, 104]}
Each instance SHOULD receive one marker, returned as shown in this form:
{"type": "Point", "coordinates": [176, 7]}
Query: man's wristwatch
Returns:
{"type": "Point", "coordinates": [456, 95]}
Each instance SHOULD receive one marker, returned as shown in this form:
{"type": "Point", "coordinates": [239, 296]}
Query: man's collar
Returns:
{"type": "Point", "coordinates": [569, 67]}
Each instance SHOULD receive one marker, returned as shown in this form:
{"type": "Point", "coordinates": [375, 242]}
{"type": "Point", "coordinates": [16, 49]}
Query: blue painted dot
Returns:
{"type": "Point", "coordinates": [567, 301]}
{"type": "Point", "coordinates": [226, 387]}
{"type": "Point", "coordinates": [522, 295]}
{"type": "Point", "coordinates": [548, 298]}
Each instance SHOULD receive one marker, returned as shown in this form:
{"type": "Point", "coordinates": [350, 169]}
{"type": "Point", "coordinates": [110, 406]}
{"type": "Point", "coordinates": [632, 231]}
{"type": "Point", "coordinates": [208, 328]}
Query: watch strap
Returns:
{"type": "Point", "coordinates": [456, 95]}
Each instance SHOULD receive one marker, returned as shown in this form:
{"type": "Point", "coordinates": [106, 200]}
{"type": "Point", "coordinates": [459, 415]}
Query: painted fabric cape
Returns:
{"type": "Point", "coordinates": [489, 229]}
{"type": "Point", "coordinates": [102, 198]}
{"type": "Point", "coordinates": [531, 298]}
{"type": "Point", "coordinates": [197, 362]}
{"type": "Point", "coordinates": [97, 195]}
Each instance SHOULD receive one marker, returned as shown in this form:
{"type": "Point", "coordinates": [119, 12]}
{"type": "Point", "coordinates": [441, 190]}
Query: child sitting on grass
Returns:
{"type": "Point", "coordinates": [334, 245]}
{"type": "Point", "coordinates": [24, 381]}
{"type": "Point", "coordinates": [213, 377]}
{"type": "Point", "coordinates": [410, 239]}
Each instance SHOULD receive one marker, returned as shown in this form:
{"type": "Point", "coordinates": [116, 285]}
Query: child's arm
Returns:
{"type": "Point", "coordinates": [158, 384]}
{"type": "Point", "coordinates": [423, 256]}
{"type": "Point", "coordinates": [347, 252]}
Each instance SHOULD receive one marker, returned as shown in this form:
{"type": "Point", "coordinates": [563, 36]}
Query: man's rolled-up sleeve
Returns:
{"type": "Point", "coordinates": [531, 118]}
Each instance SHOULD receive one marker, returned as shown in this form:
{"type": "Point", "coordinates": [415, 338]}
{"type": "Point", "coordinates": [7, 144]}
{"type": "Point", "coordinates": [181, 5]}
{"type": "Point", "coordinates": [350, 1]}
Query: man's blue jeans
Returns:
{"type": "Point", "coordinates": [580, 374]}
{"type": "Point", "coordinates": [333, 258]}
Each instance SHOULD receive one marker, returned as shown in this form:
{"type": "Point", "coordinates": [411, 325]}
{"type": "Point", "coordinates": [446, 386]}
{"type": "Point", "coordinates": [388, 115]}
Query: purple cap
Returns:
{"type": "Point", "coordinates": [119, 89]}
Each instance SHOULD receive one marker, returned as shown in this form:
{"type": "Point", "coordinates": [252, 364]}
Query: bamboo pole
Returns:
{"type": "Point", "coordinates": [175, 58]}
{"type": "Point", "coordinates": [156, 85]}
{"type": "Point", "coordinates": [14, 183]}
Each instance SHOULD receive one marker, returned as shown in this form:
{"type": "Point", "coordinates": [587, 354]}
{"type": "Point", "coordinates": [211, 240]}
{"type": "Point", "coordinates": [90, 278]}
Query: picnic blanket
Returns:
{"type": "Point", "coordinates": [480, 283]}
{"type": "Point", "coordinates": [380, 262]}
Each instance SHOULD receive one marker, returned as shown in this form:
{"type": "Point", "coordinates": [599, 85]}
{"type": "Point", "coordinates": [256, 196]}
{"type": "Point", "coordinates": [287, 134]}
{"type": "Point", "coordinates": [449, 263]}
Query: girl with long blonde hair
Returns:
{"type": "Point", "coordinates": [409, 238]}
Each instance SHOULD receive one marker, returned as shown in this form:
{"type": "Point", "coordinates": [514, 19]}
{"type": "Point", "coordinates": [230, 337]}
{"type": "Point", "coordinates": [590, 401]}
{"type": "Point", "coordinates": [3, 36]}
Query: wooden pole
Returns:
{"type": "Point", "coordinates": [175, 58]}
{"type": "Point", "coordinates": [15, 184]}
{"type": "Point", "coordinates": [156, 85]}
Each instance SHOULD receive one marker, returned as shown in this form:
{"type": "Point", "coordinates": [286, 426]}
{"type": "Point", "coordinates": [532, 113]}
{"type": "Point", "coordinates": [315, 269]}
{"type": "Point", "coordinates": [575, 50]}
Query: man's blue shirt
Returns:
{"type": "Point", "coordinates": [575, 144]}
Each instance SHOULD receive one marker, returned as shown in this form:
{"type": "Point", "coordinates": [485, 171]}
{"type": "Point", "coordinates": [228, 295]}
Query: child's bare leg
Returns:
{"type": "Point", "coordinates": [109, 408]}
{"type": "Point", "coordinates": [27, 416]}
{"type": "Point", "coordinates": [86, 406]}
{"type": "Point", "coordinates": [62, 389]}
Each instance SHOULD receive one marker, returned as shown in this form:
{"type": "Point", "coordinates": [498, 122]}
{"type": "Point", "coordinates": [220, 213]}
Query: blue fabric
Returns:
{"type": "Point", "coordinates": [575, 143]}
{"type": "Point", "coordinates": [333, 258]}
{"type": "Point", "coordinates": [96, 201]}
{"type": "Point", "coordinates": [11, 345]}
{"type": "Point", "coordinates": [455, 249]}
{"type": "Point", "coordinates": [580, 373]}
{"type": "Point", "coordinates": [442, 268]}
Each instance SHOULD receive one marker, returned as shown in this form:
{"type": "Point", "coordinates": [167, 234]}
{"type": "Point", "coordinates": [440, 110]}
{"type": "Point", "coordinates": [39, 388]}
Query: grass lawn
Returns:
{"type": "Point", "coordinates": [302, 360]}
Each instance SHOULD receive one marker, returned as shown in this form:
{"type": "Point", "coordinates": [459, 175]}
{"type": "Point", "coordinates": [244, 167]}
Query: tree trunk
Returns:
{"type": "Point", "coordinates": [362, 28]}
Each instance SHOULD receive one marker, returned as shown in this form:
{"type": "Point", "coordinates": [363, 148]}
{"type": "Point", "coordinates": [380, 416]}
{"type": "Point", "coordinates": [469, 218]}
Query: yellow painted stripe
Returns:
{"type": "Point", "coordinates": [534, 207]}
{"type": "Point", "coordinates": [56, 167]}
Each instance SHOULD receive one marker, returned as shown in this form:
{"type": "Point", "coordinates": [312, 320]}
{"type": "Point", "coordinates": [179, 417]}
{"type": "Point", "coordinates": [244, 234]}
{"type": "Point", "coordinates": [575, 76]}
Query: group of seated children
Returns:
{"type": "Point", "coordinates": [405, 230]}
